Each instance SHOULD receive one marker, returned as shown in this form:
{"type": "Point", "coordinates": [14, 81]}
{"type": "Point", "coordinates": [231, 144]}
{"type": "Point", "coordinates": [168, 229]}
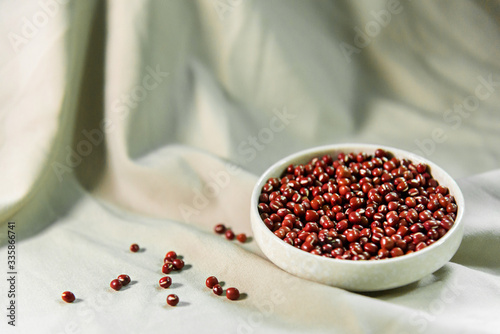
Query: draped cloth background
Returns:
{"type": "Point", "coordinates": [150, 121]}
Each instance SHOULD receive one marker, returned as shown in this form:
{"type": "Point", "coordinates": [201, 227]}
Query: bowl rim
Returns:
{"type": "Point", "coordinates": [353, 147]}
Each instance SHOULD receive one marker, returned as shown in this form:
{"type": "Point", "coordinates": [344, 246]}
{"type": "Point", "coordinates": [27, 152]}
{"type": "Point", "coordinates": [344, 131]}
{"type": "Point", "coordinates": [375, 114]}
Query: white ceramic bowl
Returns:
{"type": "Point", "coordinates": [357, 275]}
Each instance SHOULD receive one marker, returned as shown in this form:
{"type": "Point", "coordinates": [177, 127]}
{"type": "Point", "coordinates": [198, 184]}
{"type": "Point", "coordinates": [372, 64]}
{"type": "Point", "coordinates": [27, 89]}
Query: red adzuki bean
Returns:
{"type": "Point", "coordinates": [68, 296]}
{"type": "Point", "coordinates": [115, 284]}
{"type": "Point", "coordinates": [220, 228]}
{"type": "Point", "coordinates": [167, 268]}
{"type": "Point", "coordinates": [165, 282]}
{"type": "Point", "coordinates": [232, 294]}
{"type": "Point", "coordinates": [178, 264]}
{"type": "Point", "coordinates": [124, 279]}
{"type": "Point", "coordinates": [217, 289]}
{"type": "Point", "coordinates": [211, 282]}
{"type": "Point", "coordinates": [229, 235]}
{"type": "Point", "coordinates": [172, 300]}
{"type": "Point", "coordinates": [171, 256]}
{"type": "Point", "coordinates": [242, 237]}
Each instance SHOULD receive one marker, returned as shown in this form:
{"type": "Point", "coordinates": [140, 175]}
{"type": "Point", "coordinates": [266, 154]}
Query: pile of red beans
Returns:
{"type": "Point", "coordinates": [357, 207]}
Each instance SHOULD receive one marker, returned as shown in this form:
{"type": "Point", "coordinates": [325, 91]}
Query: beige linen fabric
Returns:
{"type": "Point", "coordinates": [127, 121]}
